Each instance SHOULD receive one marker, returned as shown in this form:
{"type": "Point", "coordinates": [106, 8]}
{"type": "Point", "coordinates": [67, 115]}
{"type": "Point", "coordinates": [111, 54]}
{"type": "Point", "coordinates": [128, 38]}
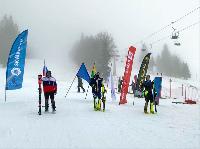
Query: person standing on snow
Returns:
{"type": "Point", "coordinates": [120, 84]}
{"type": "Point", "coordinates": [148, 94]}
{"type": "Point", "coordinates": [96, 84]}
{"type": "Point", "coordinates": [80, 85]}
{"type": "Point", "coordinates": [133, 86]}
{"type": "Point", "coordinates": [50, 89]}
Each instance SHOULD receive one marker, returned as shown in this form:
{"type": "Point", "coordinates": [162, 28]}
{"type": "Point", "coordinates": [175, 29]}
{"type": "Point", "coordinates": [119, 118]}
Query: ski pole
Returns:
{"type": "Point", "coordinates": [87, 91]}
{"type": "Point", "coordinates": [70, 86]}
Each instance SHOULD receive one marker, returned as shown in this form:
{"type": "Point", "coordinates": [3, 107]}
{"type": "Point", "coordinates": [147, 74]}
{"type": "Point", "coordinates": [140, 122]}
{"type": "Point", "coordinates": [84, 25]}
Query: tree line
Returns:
{"type": "Point", "coordinates": [98, 49]}
{"type": "Point", "coordinates": [8, 32]}
{"type": "Point", "coordinates": [167, 63]}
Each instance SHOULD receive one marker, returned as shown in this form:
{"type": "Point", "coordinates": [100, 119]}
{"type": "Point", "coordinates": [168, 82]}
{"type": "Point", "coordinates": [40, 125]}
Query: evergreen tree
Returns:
{"type": "Point", "coordinates": [8, 33]}
{"type": "Point", "coordinates": [142, 53]}
{"type": "Point", "coordinates": [151, 64]}
{"type": "Point", "coordinates": [185, 71]}
{"type": "Point", "coordinates": [98, 49]}
{"type": "Point", "coordinates": [171, 65]}
{"type": "Point", "coordinates": [164, 61]}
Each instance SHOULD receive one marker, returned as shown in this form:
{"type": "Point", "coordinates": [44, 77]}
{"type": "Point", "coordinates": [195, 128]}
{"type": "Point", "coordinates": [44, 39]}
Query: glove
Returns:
{"type": "Point", "coordinates": [155, 94]}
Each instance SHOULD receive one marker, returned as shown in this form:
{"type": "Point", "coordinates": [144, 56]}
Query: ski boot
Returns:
{"type": "Point", "coordinates": [94, 104]}
{"type": "Point", "coordinates": [96, 109]}
{"type": "Point", "coordinates": [98, 105]}
{"type": "Point", "coordinates": [145, 108]}
{"type": "Point", "coordinates": [53, 111]}
{"type": "Point", "coordinates": [54, 108]}
{"type": "Point", "coordinates": [151, 108]}
{"type": "Point", "coordinates": [46, 108]}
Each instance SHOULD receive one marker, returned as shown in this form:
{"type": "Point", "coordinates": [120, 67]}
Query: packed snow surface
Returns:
{"type": "Point", "coordinates": [76, 125]}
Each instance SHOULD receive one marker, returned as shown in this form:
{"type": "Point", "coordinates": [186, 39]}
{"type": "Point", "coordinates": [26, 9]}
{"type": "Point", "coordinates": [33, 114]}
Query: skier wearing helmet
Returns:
{"type": "Point", "coordinates": [148, 94]}
{"type": "Point", "coordinates": [50, 89]}
{"type": "Point", "coordinates": [96, 84]}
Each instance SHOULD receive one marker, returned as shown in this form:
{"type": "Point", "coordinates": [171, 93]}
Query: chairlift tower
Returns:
{"type": "Point", "coordinates": [115, 57]}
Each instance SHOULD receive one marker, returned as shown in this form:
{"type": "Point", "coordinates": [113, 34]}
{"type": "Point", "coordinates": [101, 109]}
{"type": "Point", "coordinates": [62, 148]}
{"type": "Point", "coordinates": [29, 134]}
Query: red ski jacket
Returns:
{"type": "Point", "coordinates": [49, 85]}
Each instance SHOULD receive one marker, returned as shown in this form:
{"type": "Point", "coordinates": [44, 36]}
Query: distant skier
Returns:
{"type": "Point", "coordinates": [148, 94]}
{"type": "Point", "coordinates": [96, 84]}
{"type": "Point", "coordinates": [50, 89]}
{"type": "Point", "coordinates": [80, 85]}
{"type": "Point", "coordinates": [119, 84]}
{"type": "Point", "coordinates": [133, 86]}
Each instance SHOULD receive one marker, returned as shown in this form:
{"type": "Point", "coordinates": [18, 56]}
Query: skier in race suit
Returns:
{"type": "Point", "coordinates": [50, 89]}
{"type": "Point", "coordinates": [96, 84]}
{"type": "Point", "coordinates": [149, 94]}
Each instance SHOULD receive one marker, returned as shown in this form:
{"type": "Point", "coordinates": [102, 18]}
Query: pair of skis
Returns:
{"type": "Point", "coordinates": [40, 92]}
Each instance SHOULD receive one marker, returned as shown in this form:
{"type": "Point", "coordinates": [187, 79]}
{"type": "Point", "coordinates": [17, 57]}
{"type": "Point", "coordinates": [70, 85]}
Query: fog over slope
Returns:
{"type": "Point", "coordinates": [55, 25]}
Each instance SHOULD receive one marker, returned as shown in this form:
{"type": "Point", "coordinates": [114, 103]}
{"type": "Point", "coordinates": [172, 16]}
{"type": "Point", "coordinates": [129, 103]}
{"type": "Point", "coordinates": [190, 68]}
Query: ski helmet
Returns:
{"type": "Point", "coordinates": [48, 73]}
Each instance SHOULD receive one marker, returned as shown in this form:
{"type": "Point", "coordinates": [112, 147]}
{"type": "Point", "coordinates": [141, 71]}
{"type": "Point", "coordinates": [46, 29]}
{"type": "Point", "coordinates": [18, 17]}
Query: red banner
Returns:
{"type": "Point", "coordinates": [127, 74]}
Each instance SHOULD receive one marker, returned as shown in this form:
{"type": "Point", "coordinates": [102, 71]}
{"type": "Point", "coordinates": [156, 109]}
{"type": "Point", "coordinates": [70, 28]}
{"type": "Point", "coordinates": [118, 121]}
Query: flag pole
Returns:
{"type": "Point", "coordinates": [89, 84]}
{"type": "Point", "coordinates": [5, 90]}
{"type": "Point", "coordinates": [44, 63]}
{"type": "Point", "coordinates": [70, 86]}
{"type": "Point", "coordinates": [5, 94]}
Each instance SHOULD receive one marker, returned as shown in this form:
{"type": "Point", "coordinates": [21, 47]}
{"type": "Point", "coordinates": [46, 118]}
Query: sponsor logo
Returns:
{"type": "Point", "coordinates": [16, 71]}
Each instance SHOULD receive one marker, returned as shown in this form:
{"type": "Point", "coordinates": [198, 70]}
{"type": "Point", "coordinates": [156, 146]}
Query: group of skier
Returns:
{"type": "Point", "coordinates": [148, 92]}
{"type": "Point", "coordinates": [98, 91]}
{"type": "Point", "coordinates": [132, 85]}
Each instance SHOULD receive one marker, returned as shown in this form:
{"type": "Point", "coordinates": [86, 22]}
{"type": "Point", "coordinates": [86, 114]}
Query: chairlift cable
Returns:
{"type": "Point", "coordinates": [181, 30]}
{"type": "Point", "coordinates": [163, 28]}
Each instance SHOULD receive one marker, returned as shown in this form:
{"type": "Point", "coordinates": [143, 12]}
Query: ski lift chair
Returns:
{"type": "Point", "coordinates": [177, 43]}
{"type": "Point", "coordinates": [175, 35]}
{"type": "Point", "coordinates": [143, 49]}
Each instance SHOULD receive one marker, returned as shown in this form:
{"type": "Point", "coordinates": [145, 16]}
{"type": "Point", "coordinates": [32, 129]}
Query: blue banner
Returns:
{"type": "Point", "coordinates": [16, 62]}
{"type": "Point", "coordinates": [83, 73]}
{"type": "Point", "coordinates": [158, 85]}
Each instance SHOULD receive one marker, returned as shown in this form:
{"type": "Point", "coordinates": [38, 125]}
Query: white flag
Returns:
{"type": "Point", "coordinates": [112, 87]}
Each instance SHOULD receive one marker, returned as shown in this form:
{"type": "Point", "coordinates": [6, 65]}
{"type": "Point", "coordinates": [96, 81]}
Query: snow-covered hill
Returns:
{"type": "Point", "coordinates": [77, 125]}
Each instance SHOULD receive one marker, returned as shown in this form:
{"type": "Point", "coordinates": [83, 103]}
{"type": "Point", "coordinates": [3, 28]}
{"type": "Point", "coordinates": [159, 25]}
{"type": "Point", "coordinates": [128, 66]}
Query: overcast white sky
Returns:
{"type": "Point", "coordinates": [54, 25]}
